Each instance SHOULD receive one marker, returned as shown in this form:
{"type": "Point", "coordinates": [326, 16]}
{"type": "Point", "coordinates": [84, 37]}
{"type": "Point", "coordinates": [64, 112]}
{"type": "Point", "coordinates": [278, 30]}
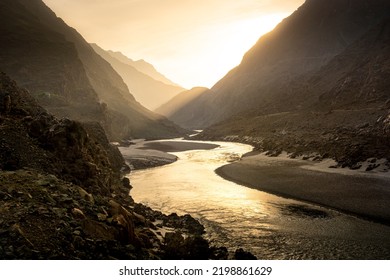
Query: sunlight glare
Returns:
{"type": "Point", "coordinates": [222, 46]}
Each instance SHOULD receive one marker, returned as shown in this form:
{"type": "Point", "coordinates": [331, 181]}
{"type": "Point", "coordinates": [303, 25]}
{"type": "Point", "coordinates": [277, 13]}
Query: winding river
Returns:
{"type": "Point", "coordinates": [235, 216]}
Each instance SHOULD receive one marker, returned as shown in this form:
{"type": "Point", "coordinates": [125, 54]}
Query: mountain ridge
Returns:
{"type": "Point", "coordinates": [345, 112]}
{"type": "Point", "coordinates": [184, 101]}
{"type": "Point", "coordinates": [142, 66]}
{"type": "Point", "coordinates": [108, 99]}
{"type": "Point", "coordinates": [149, 92]}
{"type": "Point", "coordinates": [300, 45]}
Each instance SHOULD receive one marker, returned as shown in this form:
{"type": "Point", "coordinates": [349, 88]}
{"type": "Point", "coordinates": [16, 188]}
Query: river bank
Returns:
{"type": "Point", "coordinates": [148, 154]}
{"type": "Point", "coordinates": [361, 193]}
{"type": "Point", "coordinates": [236, 216]}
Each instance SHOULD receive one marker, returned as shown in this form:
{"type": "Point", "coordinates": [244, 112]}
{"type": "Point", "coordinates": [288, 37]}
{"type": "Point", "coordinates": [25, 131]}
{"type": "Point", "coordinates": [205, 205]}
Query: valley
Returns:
{"type": "Point", "coordinates": [103, 157]}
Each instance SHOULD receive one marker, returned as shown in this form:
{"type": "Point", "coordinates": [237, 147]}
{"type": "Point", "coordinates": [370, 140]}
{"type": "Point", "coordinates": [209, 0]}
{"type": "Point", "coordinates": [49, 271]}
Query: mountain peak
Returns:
{"type": "Point", "coordinates": [142, 66]}
{"type": "Point", "coordinates": [150, 92]}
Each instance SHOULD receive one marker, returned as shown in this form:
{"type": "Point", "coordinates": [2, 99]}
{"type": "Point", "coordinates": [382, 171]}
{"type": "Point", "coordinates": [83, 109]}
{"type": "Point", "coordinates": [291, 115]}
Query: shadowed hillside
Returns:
{"type": "Point", "coordinates": [62, 195]}
{"type": "Point", "coordinates": [64, 73]}
{"type": "Point", "coordinates": [150, 92]}
{"type": "Point", "coordinates": [178, 107]}
{"type": "Point", "coordinates": [299, 46]}
{"type": "Point", "coordinates": [142, 66]}
{"type": "Point", "coordinates": [343, 109]}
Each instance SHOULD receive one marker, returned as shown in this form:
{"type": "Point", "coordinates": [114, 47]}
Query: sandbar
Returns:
{"type": "Point", "coordinates": [365, 195]}
{"type": "Point", "coordinates": [177, 146]}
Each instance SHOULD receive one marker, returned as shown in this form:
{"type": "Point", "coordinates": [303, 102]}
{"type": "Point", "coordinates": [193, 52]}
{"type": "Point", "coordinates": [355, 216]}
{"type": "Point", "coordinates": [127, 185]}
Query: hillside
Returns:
{"type": "Point", "coordinates": [62, 195]}
{"type": "Point", "coordinates": [142, 66]}
{"type": "Point", "coordinates": [185, 101]}
{"type": "Point", "coordinates": [148, 91]}
{"type": "Point", "coordinates": [344, 108]}
{"type": "Point", "coordinates": [299, 46]}
{"type": "Point", "coordinates": [67, 77]}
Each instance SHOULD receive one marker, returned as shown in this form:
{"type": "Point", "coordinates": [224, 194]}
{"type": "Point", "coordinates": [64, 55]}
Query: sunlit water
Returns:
{"type": "Point", "coordinates": [236, 216]}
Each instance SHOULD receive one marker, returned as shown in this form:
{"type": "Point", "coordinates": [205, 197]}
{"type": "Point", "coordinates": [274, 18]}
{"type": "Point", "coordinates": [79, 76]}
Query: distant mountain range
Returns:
{"type": "Point", "coordinates": [318, 82]}
{"type": "Point", "coordinates": [142, 66]}
{"type": "Point", "coordinates": [67, 77]}
{"type": "Point", "coordinates": [300, 45]}
{"type": "Point", "coordinates": [148, 86]}
{"type": "Point", "coordinates": [177, 108]}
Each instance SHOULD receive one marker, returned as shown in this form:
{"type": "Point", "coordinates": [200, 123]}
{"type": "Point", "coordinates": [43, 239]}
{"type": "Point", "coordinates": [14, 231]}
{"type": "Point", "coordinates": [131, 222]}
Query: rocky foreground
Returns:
{"type": "Point", "coordinates": [44, 217]}
{"type": "Point", "coordinates": [63, 194]}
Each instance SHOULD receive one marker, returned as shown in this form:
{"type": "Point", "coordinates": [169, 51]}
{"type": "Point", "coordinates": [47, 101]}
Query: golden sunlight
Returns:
{"type": "Point", "coordinates": [235, 39]}
{"type": "Point", "coordinates": [194, 43]}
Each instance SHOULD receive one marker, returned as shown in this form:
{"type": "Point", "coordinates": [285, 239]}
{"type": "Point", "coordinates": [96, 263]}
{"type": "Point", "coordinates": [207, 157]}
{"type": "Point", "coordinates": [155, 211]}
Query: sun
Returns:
{"type": "Point", "coordinates": [228, 43]}
{"type": "Point", "coordinates": [245, 33]}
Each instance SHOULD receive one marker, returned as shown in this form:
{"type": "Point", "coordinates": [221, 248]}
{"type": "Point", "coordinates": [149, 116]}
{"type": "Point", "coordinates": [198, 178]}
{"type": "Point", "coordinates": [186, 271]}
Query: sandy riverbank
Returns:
{"type": "Point", "coordinates": [148, 154]}
{"type": "Point", "coordinates": [177, 146]}
{"type": "Point", "coordinates": [363, 194]}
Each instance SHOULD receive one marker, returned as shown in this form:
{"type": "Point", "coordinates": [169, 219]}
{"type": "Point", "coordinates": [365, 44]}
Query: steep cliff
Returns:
{"type": "Point", "coordinates": [64, 73]}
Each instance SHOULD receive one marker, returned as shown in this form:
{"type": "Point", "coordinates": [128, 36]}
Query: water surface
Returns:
{"type": "Point", "coordinates": [236, 216]}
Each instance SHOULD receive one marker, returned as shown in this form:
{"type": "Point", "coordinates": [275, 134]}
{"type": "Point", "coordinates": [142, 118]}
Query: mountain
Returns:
{"type": "Point", "coordinates": [67, 77]}
{"type": "Point", "coordinates": [343, 108]}
{"type": "Point", "coordinates": [150, 92]}
{"type": "Point", "coordinates": [142, 66]}
{"type": "Point", "coordinates": [32, 138]}
{"type": "Point", "coordinates": [299, 46]}
{"type": "Point", "coordinates": [62, 195]}
{"type": "Point", "coordinates": [176, 109]}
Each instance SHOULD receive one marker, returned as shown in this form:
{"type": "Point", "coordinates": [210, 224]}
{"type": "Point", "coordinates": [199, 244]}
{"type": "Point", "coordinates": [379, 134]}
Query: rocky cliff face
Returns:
{"type": "Point", "coordinates": [35, 139]}
{"type": "Point", "coordinates": [269, 74]}
{"type": "Point", "coordinates": [63, 72]}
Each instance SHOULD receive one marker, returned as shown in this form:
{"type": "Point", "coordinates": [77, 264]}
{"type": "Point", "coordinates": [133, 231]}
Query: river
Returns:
{"type": "Point", "coordinates": [235, 216]}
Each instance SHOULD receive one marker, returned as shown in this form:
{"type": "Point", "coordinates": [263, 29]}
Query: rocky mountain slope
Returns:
{"type": "Point", "coordinates": [343, 109]}
{"type": "Point", "coordinates": [149, 92]}
{"type": "Point", "coordinates": [299, 46]}
{"type": "Point", "coordinates": [63, 72]}
{"type": "Point", "coordinates": [62, 195]}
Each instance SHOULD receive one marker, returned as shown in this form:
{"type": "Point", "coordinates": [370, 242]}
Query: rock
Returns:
{"type": "Point", "coordinates": [126, 183]}
{"type": "Point", "coordinates": [173, 245]}
{"type": "Point", "coordinates": [371, 167]}
{"type": "Point", "coordinates": [59, 212]}
{"type": "Point", "coordinates": [78, 242]}
{"type": "Point", "coordinates": [146, 240]}
{"type": "Point", "coordinates": [220, 253]}
{"type": "Point", "coordinates": [78, 214]}
{"type": "Point", "coordinates": [197, 248]}
{"type": "Point", "coordinates": [97, 230]}
{"type": "Point", "coordinates": [240, 254]}
{"type": "Point", "coordinates": [102, 217]}
{"type": "Point", "coordinates": [86, 196]}
{"type": "Point", "coordinates": [124, 219]}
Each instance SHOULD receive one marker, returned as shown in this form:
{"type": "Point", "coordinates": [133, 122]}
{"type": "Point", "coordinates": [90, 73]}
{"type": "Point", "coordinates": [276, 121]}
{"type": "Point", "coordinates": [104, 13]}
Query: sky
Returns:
{"type": "Point", "coordinates": [192, 42]}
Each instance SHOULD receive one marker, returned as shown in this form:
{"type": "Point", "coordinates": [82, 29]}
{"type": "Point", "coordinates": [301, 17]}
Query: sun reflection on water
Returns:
{"type": "Point", "coordinates": [236, 216]}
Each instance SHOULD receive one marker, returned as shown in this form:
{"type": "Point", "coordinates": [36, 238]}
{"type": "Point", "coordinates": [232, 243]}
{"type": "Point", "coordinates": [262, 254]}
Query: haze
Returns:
{"type": "Point", "coordinates": [193, 42]}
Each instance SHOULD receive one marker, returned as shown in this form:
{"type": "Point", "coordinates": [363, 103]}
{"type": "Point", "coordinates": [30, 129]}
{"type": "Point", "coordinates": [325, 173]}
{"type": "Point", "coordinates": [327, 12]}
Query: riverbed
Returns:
{"type": "Point", "coordinates": [269, 226]}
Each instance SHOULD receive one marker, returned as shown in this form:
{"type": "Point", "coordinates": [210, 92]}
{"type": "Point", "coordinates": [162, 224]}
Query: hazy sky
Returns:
{"type": "Point", "coordinates": [192, 42]}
